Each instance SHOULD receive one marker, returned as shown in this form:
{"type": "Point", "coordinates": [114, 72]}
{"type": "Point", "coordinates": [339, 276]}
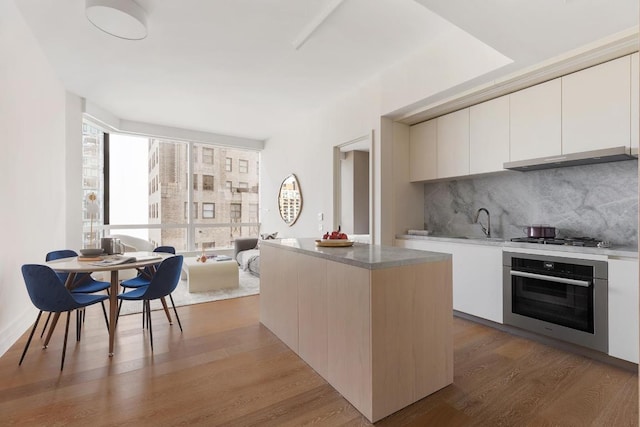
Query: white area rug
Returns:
{"type": "Point", "coordinates": [249, 285]}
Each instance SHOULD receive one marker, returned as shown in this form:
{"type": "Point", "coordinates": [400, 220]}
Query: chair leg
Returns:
{"type": "Point", "coordinates": [66, 334]}
{"type": "Point", "coordinates": [176, 312]}
{"type": "Point", "coordinates": [104, 311]}
{"type": "Point", "coordinates": [149, 322]}
{"type": "Point", "coordinates": [79, 321]}
{"type": "Point", "coordinates": [118, 313]}
{"type": "Point", "coordinates": [26, 347]}
{"type": "Point", "coordinates": [44, 328]}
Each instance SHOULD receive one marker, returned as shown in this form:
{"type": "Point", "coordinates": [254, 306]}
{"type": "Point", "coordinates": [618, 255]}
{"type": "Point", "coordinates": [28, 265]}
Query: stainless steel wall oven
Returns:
{"type": "Point", "coordinates": [563, 298]}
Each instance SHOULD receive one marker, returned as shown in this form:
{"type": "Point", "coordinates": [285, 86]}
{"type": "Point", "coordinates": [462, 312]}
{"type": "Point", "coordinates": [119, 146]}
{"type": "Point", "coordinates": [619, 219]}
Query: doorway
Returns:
{"type": "Point", "coordinates": [353, 188]}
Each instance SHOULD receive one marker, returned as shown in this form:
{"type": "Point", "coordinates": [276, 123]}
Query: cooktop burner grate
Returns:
{"type": "Point", "coordinates": [567, 241]}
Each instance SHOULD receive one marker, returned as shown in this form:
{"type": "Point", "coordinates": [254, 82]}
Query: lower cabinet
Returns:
{"type": "Point", "coordinates": [279, 301]}
{"type": "Point", "coordinates": [623, 308]}
{"type": "Point", "coordinates": [477, 276]}
{"type": "Point", "coordinates": [383, 338]}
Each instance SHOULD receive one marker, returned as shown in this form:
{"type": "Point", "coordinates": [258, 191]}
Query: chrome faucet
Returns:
{"type": "Point", "coordinates": [486, 230]}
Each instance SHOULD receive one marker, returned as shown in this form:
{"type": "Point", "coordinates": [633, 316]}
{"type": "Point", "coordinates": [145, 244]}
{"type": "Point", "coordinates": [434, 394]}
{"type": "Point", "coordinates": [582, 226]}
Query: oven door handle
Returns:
{"type": "Point", "coordinates": [574, 282]}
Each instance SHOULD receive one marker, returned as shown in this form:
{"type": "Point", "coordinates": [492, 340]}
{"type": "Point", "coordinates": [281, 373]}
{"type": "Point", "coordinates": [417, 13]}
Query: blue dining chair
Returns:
{"type": "Point", "coordinates": [83, 283]}
{"type": "Point", "coordinates": [163, 283]}
{"type": "Point", "coordinates": [144, 277]}
{"type": "Point", "coordinates": [49, 294]}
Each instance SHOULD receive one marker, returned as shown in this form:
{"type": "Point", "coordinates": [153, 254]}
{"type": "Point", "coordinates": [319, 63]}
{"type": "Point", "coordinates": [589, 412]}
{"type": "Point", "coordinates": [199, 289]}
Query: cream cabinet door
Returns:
{"type": "Point", "coordinates": [489, 135]}
{"type": "Point", "coordinates": [422, 151]}
{"type": "Point", "coordinates": [536, 121]}
{"type": "Point", "coordinates": [477, 275]}
{"type": "Point", "coordinates": [623, 308]}
{"type": "Point", "coordinates": [596, 107]}
{"type": "Point", "coordinates": [453, 144]}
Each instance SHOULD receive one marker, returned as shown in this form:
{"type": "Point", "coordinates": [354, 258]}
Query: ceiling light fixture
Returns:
{"type": "Point", "coordinates": [124, 19]}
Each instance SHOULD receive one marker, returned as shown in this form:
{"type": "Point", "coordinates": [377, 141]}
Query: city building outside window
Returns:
{"type": "Point", "coordinates": [148, 184]}
{"type": "Point", "coordinates": [243, 166]}
{"type": "Point", "coordinates": [207, 182]}
{"type": "Point", "coordinates": [236, 211]}
{"type": "Point", "coordinates": [207, 155]}
{"type": "Point", "coordinates": [208, 210]}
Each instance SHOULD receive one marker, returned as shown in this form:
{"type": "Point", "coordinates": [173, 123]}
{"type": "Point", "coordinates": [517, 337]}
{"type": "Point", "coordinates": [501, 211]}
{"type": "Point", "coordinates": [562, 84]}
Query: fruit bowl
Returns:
{"type": "Point", "coordinates": [334, 242]}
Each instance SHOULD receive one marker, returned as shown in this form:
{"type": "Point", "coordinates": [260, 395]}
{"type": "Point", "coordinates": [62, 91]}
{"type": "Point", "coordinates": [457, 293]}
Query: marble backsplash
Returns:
{"type": "Point", "coordinates": [599, 201]}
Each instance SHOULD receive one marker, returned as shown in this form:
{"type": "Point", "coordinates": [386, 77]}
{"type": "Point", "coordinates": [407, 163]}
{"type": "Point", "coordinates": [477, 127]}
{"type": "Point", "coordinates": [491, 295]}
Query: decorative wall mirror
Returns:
{"type": "Point", "coordinates": [290, 199]}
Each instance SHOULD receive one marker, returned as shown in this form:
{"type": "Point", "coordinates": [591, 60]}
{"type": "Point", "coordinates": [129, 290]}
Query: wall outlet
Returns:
{"type": "Point", "coordinates": [320, 227]}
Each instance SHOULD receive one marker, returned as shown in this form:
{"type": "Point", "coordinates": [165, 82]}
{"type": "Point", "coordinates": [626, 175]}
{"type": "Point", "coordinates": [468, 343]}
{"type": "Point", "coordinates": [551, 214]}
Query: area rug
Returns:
{"type": "Point", "coordinates": [249, 285]}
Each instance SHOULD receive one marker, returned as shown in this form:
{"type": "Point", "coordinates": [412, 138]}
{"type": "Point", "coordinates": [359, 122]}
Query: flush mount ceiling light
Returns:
{"type": "Point", "coordinates": [120, 18]}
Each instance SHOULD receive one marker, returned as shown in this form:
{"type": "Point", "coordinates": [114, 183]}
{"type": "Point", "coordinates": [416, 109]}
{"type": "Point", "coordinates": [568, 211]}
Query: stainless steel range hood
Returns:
{"type": "Point", "coordinates": [584, 158]}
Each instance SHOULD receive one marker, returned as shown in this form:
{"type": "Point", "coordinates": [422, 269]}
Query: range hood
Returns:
{"type": "Point", "coordinates": [584, 158]}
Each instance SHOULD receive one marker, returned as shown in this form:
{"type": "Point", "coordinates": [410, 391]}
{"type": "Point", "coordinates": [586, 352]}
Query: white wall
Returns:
{"type": "Point", "coordinates": [305, 148]}
{"type": "Point", "coordinates": [33, 165]}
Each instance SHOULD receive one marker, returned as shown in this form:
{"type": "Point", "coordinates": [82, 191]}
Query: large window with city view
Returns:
{"type": "Point", "coordinates": [188, 195]}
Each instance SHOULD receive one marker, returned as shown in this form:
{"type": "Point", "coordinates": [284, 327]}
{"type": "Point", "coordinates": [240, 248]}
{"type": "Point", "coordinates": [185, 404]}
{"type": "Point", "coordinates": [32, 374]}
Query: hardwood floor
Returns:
{"type": "Point", "coordinates": [228, 369]}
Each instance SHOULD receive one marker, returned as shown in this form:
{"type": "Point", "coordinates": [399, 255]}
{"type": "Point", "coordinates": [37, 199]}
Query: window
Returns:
{"type": "Point", "coordinates": [208, 245]}
{"type": "Point", "coordinates": [208, 210]}
{"type": "Point", "coordinates": [243, 185]}
{"type": "Point", "coordinates": [207, 155]}
{"type": "Point", "coordinates": [243, 166]}
{"type": "Point", "coordinates": [236, 211]}
{"type": "Point", "coordinates": [195, 154]}
{"type": "Point", "coordinates": [207, 182]}
{"type": "Point", "coordinates": [228, 164]}
{"type": "Point", "coordinates": [195, 210]}
{"type": "Point", "coordinates": [154, 204]}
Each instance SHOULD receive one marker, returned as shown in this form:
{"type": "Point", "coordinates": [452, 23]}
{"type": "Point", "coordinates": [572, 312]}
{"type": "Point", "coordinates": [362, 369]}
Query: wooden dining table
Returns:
{"type": "Point", "coordinates": [77, 265]}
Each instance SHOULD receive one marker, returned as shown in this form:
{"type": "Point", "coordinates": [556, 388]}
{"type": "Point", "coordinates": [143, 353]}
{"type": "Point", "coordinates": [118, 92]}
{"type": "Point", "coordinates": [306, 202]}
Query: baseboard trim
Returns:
{"type": "Point", "coordinates": [560, 345]}
{"type": "Point", "coordinates": [15, 329]}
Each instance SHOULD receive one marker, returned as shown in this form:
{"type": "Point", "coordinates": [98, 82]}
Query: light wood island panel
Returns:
{"type": "Point", "coordinates": [378, 330]}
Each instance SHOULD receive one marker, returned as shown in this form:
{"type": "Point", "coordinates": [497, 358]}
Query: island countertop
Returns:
{"type": "Point", "coordinates": [363, 255]}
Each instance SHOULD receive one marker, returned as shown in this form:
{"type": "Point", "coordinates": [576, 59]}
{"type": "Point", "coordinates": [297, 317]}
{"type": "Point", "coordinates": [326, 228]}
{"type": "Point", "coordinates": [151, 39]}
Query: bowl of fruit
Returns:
{"type": "Point", "coordinates": [334, 239]}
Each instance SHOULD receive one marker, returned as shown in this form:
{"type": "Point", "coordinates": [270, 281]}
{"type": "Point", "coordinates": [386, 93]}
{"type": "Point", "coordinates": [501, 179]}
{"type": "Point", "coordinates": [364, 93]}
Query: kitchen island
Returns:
{"type": "Point", "coordinates": [374, 321]}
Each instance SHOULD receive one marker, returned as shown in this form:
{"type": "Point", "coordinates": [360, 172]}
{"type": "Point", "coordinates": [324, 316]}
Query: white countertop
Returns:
{"type": "Point", "coordinates": [614, 251]}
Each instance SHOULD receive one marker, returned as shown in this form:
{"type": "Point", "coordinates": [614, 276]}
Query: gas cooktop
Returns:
{"type": "Point", "coordinates": [568, 241]}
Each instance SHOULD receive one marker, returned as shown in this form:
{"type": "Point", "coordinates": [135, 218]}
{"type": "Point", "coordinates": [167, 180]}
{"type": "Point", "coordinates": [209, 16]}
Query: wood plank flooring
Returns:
{"type": "Point", "coordinates": [227, 369]}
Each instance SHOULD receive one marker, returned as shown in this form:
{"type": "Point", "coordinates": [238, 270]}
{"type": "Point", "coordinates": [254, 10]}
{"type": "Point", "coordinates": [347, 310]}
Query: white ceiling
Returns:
{"type": "Point", "coordinates": [230, 67]}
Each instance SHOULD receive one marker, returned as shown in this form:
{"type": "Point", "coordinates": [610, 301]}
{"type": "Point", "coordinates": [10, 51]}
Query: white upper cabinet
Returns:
{"type": "Point", "coordinates": [489, 135]}
{"type": "Point", "coordinates": [635, 101]}
{"type": "Point", "coordinates": [422, 151]}
{"type": "Point", "coordinates": [453, 144]}
{"type": "Point", "coordinates": [596, 107]}
{"type": "Point", "coordinates": [536, 121]}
